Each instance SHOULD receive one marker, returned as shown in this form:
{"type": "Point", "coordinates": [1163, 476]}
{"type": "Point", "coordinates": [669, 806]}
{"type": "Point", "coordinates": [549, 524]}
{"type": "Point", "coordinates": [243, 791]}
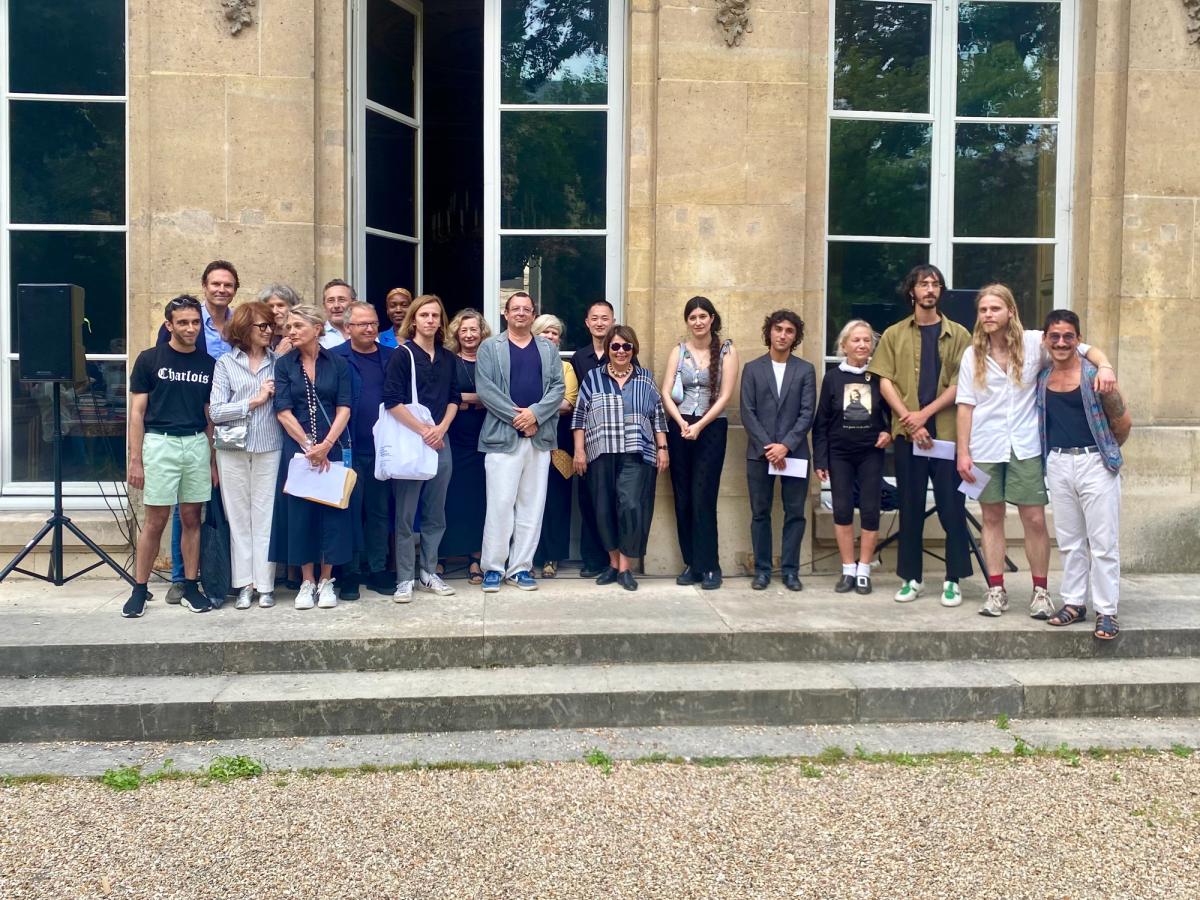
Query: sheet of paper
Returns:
{"type": "Point", "coordinates": [981, 480]}
{"type": "Point", "coordinates": [305, 481]}
{"type": "Point", "coordinates": [939, 450]}
{"type": "Point", "coordinates": [792, 468]}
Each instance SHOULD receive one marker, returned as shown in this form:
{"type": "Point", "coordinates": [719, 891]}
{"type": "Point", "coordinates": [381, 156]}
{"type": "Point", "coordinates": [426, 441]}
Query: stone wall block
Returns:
{"type": "Point", "coordinates": [777, 109]}
{"type": "Point", "coordinates": [266, 253]}
{"type": "Point", "coordinates": [330, 258]}
{"type": "Point", "coordinates": [701, 142]}
{"type": "Point", "coordinates": [643, 49]}
{"type": "Point", "coordinates": [1111, 35]}
{"type": "Point", "coordinates": [1158, 461]}
{"type": "Point", "coordinates": [731, 247]}
{"type": "Point", "coordinates": [286, 34]}
{"type": "Point", "coordinates": [639, 227]}
{"type": "Point", "coordinates": [193, 36]}
{"type": "Point", "coordinates": [692, 47]}
{"type": "Point", "coordinates": [1101, 156]}
{"type": "Point", "coordinates": [1162, 123]}
{"type": "Point", "coordinates": [270, 127]}
{"type": "Point", "coordinates": [775, 170]}
{"type": "Point", "coordinates": [1138, 322]}
{"type": "Point", "coordinates": [187, 153]}
{"type": "Point", "coordinates": [1158, 37]}
{"type": "Point", "coordinates": [1157, 247]}
{"type": "Point", "coordinates": [1175, 347]}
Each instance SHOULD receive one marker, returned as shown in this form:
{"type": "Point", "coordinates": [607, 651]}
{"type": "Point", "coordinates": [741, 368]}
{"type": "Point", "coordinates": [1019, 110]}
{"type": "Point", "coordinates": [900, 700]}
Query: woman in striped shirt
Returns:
{"type": "Point", "coordinates": [621, 434]}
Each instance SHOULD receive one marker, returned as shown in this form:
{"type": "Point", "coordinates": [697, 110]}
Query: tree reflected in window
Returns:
{"type": "Point", "coordinates": [554, 51]}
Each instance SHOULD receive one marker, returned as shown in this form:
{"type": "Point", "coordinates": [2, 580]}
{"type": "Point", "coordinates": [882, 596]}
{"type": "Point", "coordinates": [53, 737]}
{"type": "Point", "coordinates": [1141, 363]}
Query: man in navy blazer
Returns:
{"type": "Point", "coordinates": [779, 400]}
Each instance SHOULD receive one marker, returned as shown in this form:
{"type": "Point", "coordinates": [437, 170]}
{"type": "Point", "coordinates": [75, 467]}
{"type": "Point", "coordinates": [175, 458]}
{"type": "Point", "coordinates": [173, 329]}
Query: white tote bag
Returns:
{"type": "Point", "coordinates": [399, 451]}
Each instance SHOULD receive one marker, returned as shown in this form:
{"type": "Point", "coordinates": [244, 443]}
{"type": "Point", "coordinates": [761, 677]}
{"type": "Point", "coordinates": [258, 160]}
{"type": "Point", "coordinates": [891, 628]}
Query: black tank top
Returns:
{"type": "Point", "coordinates": [1066, 421]}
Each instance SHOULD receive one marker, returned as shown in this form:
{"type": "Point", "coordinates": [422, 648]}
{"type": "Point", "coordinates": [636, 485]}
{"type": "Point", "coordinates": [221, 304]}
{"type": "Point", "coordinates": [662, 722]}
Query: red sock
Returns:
{"type": "Point", "coordinates": [995, 580]}
{"type": "Point", "coordinates": [1039, 581]}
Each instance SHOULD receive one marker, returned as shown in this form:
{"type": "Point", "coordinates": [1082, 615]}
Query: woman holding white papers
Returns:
{"type": "Point", "coordinates": [852, 428]}
{"type": "Point", "coordinates": [312, 403]}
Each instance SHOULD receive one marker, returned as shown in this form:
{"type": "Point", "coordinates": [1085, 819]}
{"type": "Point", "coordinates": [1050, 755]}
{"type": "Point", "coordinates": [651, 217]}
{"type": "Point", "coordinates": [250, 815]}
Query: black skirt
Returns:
{"type": "Point", "coordinates": [622, 487]}
{"type": "Point", "coordinates": [306, 532]}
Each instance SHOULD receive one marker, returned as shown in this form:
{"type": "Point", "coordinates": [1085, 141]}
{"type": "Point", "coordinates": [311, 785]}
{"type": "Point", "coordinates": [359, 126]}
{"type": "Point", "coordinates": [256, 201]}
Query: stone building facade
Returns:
{"type": "Point", "coordinates": [728, 168]}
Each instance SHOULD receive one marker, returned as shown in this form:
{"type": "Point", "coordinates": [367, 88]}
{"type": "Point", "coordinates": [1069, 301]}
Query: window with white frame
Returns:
{"type": "Point", "coordinates": [949, 142]}
{"type": "Point", "coordinates": [63, 220]}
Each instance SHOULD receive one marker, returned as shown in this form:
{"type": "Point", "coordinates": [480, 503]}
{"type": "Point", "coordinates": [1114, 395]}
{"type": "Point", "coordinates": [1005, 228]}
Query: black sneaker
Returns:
{"type": "Point", "coordinates": [382, 583]}
{"type": "Point", "coordinates": [194, 600]}
{"type": "Point", "coordinates": [135, 606]}
{"type": "Point", "coordinates": [348, 590]}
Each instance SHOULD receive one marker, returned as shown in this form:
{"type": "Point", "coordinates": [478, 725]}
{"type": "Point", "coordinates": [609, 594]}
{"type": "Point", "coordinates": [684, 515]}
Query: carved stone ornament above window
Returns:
{"type": "Point", "coordinates": [734, 18]}
{"type": "Point", "coordinates": [1192, 8]}
{"type": "Point", "coordinates": [239, 14]}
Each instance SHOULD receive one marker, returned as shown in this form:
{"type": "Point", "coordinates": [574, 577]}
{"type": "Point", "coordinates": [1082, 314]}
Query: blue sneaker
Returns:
{"type": "Point", "coordinates": [491, 582]}
{"type": "Point", "coordinates": [522, 580]}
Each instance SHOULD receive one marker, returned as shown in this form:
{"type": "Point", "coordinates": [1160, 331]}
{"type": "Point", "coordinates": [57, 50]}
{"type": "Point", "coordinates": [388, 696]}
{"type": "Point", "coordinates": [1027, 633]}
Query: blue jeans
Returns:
{"type": "Point", "coordinates": [176, 548]}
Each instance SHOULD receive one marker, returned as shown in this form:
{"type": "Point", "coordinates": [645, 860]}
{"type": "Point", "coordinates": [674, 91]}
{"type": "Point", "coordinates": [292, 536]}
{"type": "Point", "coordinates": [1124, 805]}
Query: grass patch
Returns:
{"type": "Point", "coordinates": [1002, 721]}
{"type": "Point", "coordinates": [15, 780]}
{"type": "Point", "coordinates": [125, 778]}
{"type": "Point", "coordinates": [230, 768]}
{"type": "Point", "coordinates": [1067, 755]}
{"type": "Point", "coordinates": [831, 755]}
{"type": "Point", "coordinates": [598, 758]}
{"type": "Point", "coordinates": [1182, 750]}
{"type": "Point", "coordinates": [1020, 748]}
{"type": "Point", "coordinates": [808, 770]}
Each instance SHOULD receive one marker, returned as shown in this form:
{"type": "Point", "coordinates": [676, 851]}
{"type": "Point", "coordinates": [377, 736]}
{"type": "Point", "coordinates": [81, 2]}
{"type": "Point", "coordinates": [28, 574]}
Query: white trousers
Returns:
{"type": "Point", "coordinates": [1086, 498]}
{"type": "Point", "coordinates": [248, 492]}
{"type": "Point", "coordinates": [516, 499]}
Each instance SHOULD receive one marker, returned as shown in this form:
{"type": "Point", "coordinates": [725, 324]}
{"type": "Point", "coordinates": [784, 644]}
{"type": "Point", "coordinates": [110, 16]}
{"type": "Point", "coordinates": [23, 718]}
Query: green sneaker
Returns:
{"type": "Point", "coordinates": [909, 591]}
{"type": "Point", "coordinates": [951, 594]}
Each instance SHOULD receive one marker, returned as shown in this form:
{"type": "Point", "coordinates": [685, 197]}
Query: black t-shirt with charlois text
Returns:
{"type": "Point", "coordinates": [178, 385]}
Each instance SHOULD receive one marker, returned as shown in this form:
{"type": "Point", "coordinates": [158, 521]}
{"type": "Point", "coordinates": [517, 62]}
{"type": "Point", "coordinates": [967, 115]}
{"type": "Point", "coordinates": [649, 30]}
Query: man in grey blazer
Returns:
{"type": "Point", "coordinates": [519, 379]}
{"type": "Point", "coordinates": [779, 400]}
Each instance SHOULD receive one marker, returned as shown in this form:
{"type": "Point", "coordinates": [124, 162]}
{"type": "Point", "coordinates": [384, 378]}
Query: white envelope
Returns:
{"type": "Point", "coordinates": [939, 450]}
{"type": "Point", "coordinates": [981, 481]}
{"type": "Point", "coordinates": [792, 468]}
{"type": "Point", "coordinates": [328, 487]}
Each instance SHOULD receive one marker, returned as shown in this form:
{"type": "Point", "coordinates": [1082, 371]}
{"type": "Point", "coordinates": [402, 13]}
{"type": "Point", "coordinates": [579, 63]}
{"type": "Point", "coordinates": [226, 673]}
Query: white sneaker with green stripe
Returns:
{"type": "Point", "coordinates": [951, 594]}
{"type": "Point", "coordinates": [909, 591]}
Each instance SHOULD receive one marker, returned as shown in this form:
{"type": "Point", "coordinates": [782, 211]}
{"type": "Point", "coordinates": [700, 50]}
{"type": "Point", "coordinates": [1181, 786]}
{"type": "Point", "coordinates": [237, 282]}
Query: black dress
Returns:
{"type": "Point", "coordinates": [303, 531]}
{"type": "Point", "coordinates": [466, 498]}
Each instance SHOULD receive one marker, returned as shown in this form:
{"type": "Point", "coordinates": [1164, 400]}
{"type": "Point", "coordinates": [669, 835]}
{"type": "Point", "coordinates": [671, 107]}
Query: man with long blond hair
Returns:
{"type": "Point", "coordinates": [998, 432]}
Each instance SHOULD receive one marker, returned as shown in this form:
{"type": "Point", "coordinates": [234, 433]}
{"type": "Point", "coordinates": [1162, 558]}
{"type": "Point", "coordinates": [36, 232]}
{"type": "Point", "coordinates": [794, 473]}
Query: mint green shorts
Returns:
{"type": "Point", "coordinates": [177, 469]}
{"type": "Point", "coordinates": [1018, 481]}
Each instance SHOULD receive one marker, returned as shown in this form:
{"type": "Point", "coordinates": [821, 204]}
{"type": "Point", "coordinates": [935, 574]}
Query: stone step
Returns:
{"type": "Point", "coordinates": [453, 699]}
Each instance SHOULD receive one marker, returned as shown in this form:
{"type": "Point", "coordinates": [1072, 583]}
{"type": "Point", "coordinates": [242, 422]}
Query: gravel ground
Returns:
{"type": "Point", "coordinates": [978, 827]}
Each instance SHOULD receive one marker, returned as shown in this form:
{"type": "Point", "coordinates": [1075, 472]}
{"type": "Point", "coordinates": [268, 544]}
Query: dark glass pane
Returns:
{"type": "Point", "coordinates": [56, 47]}
{"type": "Point", "coordinates": [881, 56]}
{"type": "Point", "coordinates": [1004, 180]}
{"type": "Point", "coordinates": [864, 282]}
{"type": "Point", "coordinates": [562, 274]}
{"type": "Point", "coordinates": [391, 56]}
{"type": "Point", "coordinates": [390, 264]}
{"type": "Point", "coordinates": [1028, 269]}
{"type": "Point", "coordinates": [1008, 59]}
{"type": "Point", "coordinates": [554, 52]}
{"type": "Point", "coordinates": [553, 167]}
{"type": "Point", "coordinates": [93, 260]}
{"type": "Point", "coordinates": [391, 175]}
{"type": "Point", "coordinates": [68, 163]}
{"type": "Point", "coordinates": [93, 423]}
{"type": "Point", "coordinates": [879, 178]}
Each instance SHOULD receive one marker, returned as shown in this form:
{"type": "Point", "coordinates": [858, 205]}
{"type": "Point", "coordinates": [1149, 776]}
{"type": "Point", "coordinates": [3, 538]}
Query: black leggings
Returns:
{"type": "Point", "coordinates": [845, 467]}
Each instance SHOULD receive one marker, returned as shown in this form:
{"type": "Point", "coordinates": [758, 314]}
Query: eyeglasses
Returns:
{"type": "Point", "coordinates": [621, 348]}
{"type": "Point", "coordinates": [364, 324]}
{"type": "Point", "coordinates": [183, 303]}
{"type": "Point", "coordinates": [264, 327]}
{"type": "Point", "coordinates": [1067, 339]}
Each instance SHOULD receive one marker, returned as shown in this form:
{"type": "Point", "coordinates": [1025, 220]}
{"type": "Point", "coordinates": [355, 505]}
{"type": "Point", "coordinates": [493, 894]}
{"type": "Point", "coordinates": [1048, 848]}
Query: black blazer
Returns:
{"type": "Point", "coordinates": [771, 417]}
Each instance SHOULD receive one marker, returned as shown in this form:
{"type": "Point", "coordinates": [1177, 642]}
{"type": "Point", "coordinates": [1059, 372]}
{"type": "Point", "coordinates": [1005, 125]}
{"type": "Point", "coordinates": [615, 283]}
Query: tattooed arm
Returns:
{"type": "Point", "coordinates": [1119, 419]}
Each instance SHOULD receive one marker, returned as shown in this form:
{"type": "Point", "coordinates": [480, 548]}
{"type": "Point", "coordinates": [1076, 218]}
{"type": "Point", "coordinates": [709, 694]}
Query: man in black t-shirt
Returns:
{"type": "Point", "coordinates": [170, 458]}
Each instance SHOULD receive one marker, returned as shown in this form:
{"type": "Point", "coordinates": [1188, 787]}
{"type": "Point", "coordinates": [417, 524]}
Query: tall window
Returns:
{"type": "Point", "coordinates": [553, 187]}
{"type": "Point", "coordinates": [63, 220]}
{"type": "Point", "coordinates": [949, 142]}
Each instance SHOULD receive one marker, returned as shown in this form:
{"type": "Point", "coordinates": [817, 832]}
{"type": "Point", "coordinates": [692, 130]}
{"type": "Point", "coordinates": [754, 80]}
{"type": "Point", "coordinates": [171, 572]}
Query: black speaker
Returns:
{"type": "Point", "coordinates": [50, 333]}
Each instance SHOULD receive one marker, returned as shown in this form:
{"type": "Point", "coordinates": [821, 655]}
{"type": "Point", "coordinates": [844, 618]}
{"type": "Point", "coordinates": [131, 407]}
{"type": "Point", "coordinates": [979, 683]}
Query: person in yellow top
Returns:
{"type": "Point", "coordinates": [556, 521]}
{"type": "Point", "coordinates": [917, 363]}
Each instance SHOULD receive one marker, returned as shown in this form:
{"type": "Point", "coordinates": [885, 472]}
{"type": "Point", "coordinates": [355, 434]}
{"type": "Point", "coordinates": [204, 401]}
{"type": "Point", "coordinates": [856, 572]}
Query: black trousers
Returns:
{"type": "Point", "coordinates": [761, 486]}
{"type": "Point", "coordinates": [912, 475]}
{"type": "Point", "coordinates": [376, 518]}
{"type": "Point", "coordinates": [696, 480]}
{"type": "Point", "coordinates": [863, 465]}
{"type": "Point", "coordinates": [555, 542]}
{"type": "Point", "coordinates": [623, 493]}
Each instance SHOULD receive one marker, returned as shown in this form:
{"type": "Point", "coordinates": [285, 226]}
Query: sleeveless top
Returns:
{"type": "Point", "coordinates": [697, 394]}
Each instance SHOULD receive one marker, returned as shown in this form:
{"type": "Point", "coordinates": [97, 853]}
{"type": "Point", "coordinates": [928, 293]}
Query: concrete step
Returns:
{"type": "Point", "coordinates": [636, 695]}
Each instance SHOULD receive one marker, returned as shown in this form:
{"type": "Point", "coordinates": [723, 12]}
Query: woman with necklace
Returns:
{"type": "Point", "coordinates": [621, 436]}
{"type": "Point", "coordinates": [701, 375]}
{"type": "Point", "coordinates": [466, 498]}
{"type": "Point", "coordinates": [312, 403]}
{"type": "Point", "coordinates": [851, 431]}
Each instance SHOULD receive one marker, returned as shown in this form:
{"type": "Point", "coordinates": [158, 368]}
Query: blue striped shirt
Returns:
{"type": "Point", "coordinates": [619, 421]}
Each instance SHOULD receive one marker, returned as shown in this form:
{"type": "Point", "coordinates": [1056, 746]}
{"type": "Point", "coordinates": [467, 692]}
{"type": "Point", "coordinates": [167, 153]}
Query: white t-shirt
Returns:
{"type": "Point", "coordinates": [331, 337]}
{"type": "Point", "coordinates": [1005, 421]}
{"type": "Point", "coordinates": [780, 368]}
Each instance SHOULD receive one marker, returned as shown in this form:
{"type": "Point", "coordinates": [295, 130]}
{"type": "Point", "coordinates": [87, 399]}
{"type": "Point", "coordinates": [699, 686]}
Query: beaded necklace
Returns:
{"type": "Point", "coordinates": [310, 395]}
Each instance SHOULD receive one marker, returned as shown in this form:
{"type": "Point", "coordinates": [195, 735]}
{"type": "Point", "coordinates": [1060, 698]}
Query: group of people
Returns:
{"type": "Point", "coordinates": [233, 396]}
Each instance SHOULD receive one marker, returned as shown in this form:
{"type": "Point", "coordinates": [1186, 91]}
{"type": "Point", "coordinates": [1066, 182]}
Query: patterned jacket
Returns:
{"type": "Point", "coordinates": [1110, 450]}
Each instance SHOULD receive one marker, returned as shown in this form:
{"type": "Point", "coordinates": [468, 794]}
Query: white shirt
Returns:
{"type": "Point", "coordinates": [332, 337]}
{"type": "Point", "coordinates": [780, 368]}
{"type": "Point", "coordinates": [1005, 421]}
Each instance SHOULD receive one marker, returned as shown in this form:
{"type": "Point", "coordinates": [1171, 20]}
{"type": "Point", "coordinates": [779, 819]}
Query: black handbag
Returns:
{"type": "Point", "coordinates": [216, 567]}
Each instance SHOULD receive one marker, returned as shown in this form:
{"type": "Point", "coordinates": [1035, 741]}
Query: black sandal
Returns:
{"type": "Point", "coordinates": [1106, 628]}
{"type": "Point", "coordinates": [474, 573]}
{"type": "Point", "coordinates": [1068, 615]}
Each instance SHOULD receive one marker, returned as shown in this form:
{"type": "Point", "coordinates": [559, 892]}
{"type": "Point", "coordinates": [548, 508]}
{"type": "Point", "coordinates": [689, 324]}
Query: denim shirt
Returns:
{"type": "Point", "coordinates": [1110, 450]}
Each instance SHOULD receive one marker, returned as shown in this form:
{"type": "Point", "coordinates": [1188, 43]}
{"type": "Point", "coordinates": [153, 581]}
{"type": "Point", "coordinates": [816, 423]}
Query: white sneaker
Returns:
{"type": "Point", "coordinates": [326, 595]}
{"type": "Point", "coordinates": [245, 597]}
{"type": "Point", "coordinates": [951, 594]}
{"type": "Point", "coordinates": [403, 592]}
{"type": "Point", "coordinates": [995, 602]}
{"type": "Point", "coordinates": [1040, 604]}
{"type": "Point", "coordinates": [433, 584]}
{"type": "Point", "coordinates": [266, 601]}
{"type": "Point", "coordinates": [306, 599]}
{"type": "Point", "coordinates": [909, 591]}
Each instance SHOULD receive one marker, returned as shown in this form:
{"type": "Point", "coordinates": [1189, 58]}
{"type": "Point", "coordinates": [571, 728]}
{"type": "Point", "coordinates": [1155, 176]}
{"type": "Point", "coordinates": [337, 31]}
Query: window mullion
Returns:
{"type": "Point", "coordinates": [944, 75]}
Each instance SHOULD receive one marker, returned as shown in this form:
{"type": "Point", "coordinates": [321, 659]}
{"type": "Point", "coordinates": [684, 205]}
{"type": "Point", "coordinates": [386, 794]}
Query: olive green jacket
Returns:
{"type": "Point", "coordinates": [898, 359]}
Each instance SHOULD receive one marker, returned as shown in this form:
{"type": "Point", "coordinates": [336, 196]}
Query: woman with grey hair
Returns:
{"type": "Point", "coordinates": [852, 428]}
{"type": "Point", "coordinates": [556, 520]}
{"type": "Point", "coordinates": [280, 299]}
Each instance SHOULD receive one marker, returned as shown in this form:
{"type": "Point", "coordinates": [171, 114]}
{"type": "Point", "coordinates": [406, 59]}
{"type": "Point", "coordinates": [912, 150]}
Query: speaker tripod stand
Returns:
{"type": "Point", "coordinates": [56, 523]}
